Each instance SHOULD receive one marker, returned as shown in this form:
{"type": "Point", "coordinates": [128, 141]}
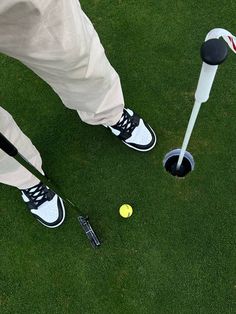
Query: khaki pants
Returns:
{"type": "Point", "coordinates": [57, 41]}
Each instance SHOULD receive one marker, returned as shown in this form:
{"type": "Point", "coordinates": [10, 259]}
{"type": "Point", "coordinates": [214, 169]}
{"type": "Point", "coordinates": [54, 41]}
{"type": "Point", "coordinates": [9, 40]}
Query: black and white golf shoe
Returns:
{"type": "Point", "coordinates": [45, 205]}
{"type": "Point", "coordinates": [134, 132]}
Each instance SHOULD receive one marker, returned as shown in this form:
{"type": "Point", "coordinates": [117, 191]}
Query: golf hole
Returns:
{"type": "Point", "coordinates": [170, 163]}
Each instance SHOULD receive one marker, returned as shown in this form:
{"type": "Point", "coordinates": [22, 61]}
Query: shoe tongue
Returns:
{"type": "Point", "coordinates": [125, 122]}
{"type": "Point", "coordinates": [33, 189]}
{"type": "Point", "coordinates": [122, 119]}
{"type": "Point", "coordinates": [39, 198]}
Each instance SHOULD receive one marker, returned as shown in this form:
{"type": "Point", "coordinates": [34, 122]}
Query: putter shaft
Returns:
{"type": "Point", "coordinates": [12, 151]}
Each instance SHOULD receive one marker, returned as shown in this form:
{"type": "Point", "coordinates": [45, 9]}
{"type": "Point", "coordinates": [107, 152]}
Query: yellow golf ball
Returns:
{"type": "Point", "coordinates": [126, 210]}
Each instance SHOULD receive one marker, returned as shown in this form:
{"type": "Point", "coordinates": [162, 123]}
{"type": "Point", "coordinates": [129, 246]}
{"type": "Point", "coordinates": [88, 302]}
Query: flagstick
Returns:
{"type": "Point", "coordinates": [192, 120]}
{"type": "Point", "coordinates": [205, 82]}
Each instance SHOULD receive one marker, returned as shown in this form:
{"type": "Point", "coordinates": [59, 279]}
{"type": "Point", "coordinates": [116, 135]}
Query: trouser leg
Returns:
{"type": "Point", "coordinates": [59, 43]}
{"type": "Point", "coordinates": [11, 172]}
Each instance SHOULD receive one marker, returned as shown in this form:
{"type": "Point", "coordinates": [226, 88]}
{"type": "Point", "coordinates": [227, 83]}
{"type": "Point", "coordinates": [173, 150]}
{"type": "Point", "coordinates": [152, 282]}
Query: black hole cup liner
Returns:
{"type": "Point", "coordinates": [170, 162]}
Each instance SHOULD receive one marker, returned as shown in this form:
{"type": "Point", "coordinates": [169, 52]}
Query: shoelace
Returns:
{"type": "Point", "coordinates": [126, 123]}
{"type": "Point", "coordinates": [38, 194]}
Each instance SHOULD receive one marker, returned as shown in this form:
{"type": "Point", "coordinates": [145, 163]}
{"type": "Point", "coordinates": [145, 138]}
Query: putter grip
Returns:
{"type": "Point", "coordinates": [7, 146]}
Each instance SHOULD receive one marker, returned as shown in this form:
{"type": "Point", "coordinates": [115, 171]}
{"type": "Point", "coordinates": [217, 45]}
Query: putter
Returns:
{"type": "Point", "coordinates": [12, 151]}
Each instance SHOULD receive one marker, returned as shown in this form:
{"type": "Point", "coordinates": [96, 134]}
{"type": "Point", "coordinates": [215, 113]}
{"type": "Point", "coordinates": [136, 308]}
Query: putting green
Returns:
{"type": "Point", "coordinates": [175, 254]}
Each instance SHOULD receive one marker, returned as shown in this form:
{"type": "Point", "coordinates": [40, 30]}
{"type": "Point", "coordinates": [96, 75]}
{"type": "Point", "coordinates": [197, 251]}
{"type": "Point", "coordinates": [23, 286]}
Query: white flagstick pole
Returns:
{"type": "Point", "coordinates": [205, 82]}
{"type": "Point", "coordinates": [204, 86]}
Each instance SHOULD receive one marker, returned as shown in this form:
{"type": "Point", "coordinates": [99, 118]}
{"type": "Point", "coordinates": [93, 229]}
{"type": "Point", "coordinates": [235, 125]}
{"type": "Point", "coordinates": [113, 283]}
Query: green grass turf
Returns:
{"type": "Point", "coordinates": [177, 252]}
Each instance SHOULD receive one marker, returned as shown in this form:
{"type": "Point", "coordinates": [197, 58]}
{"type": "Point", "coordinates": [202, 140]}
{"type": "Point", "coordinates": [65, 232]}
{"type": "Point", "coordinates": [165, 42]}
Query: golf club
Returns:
{"type": "Point", "coordinates": [12, 151]}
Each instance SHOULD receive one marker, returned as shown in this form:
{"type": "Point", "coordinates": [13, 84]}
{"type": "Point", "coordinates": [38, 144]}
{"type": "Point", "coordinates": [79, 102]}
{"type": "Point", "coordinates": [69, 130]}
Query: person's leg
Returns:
{"type": "Point", "coordinates": [11, 172]}
{"type": "Point", "coordinates": [44, 204]}
{"type": "Point", "coordinates": [59, 43]}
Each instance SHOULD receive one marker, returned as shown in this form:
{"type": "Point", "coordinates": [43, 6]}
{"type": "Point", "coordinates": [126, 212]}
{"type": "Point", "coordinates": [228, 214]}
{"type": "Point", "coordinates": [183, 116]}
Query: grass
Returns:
{"type": "Point", "coordinates": [177, 252]}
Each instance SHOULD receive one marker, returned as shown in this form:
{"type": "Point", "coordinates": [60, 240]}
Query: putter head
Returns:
{"type": "Point", "coordinates": [84, 222]}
